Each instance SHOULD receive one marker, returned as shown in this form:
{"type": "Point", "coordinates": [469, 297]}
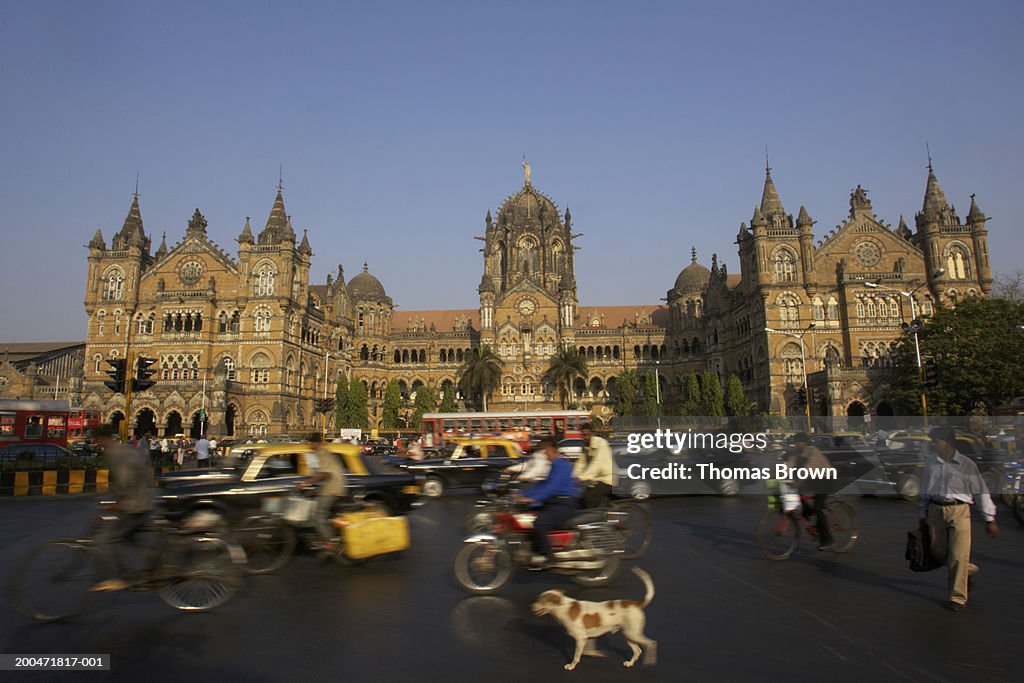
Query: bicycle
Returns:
{"type": "Point", "coordinates": [778, 531]}
{"type": "Point", "coordinates": [192, 570]}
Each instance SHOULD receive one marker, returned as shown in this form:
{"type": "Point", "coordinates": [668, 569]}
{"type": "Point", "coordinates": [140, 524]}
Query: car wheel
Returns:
{"type": "Point", "coordinates": [909, 487]}
{"type": "Point", "coordinates": [433, 487]}
{"type": "Point", "coordinates": [729, 487]}
{"type": "Point", "coordinates": [640, 490]}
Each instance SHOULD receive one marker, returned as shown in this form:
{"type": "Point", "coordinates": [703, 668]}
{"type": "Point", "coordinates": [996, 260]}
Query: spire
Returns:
{"type": "Point", "coordinates": [97, 241]}
{"type": "Point", "coordinates": [975, 215]}
{"type": "Point", "coordinates": [934, 198]}
{"type": "Point", "coordinates": [304, 247]}
{"type": "Point", "coordinates": [771, 205]}
{"type": "Point", "coordinates": [902, 230]}
{"type": "Point", "coordinates": [804, 218]}
{"type": "Point", "coordinates": [693, 254]}
{"type": "Point", "coordinates": [246, 234]}
{"type": "Point", "coordinates": [132, 230]}
{"type": "Point", "coordinates": [758, 220]}
{"type": "Point", "coordinates": [488, 220]}
{"type": "Point", "coordinates": [162, 250]}
{"type": "Point", "coordinates": [568, 218]}
{"type": "Point", "coordinates": [277, 221]}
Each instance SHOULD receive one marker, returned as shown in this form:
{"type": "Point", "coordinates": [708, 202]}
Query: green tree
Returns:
{"type": "Point", "coordinates": [736, 403]}
{"type": "Point", "coordinates": [711, 395]}
{"type": "Point", "coordinates": [341, 402]}
{"type": "Point", "coordinates": [565, 367]}
{"type": "Point", "coordinates": [650, 394]}
{"type": "Point", "coordinates": [392, 403]}
{"type": "Point", "coordinates": [625, 393]}
{"type": "Point", "coordinates": [691, 395]}
{"type": "Point", "coordinates": [426, 400]}
{"type": "Point", "coordinates": [448, 404]}
{"type": "Point", "coordinates": [358, 405]}
{"type": "Point", "coordinates": [978, 349]}
{"type": "Point", "coordinates": [480, 374]}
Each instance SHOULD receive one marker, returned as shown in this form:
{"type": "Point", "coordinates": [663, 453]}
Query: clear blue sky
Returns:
{"type": "Point", "coordinates": [400, 124]}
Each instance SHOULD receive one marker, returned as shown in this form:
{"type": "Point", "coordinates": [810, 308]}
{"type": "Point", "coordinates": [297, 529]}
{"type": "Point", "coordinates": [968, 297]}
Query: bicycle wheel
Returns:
{"type": "Point", "coordinates": [268, 542]}
{"type": "Point", "coordinates": [52, 581]}
{"type": "Point", "coordinates": [778, 534]}
{"type": "Point", "coordinates": [636, 525]}
{"type": "Point", "coordinates": [202, 574]}
{"type": "Point", "coordinates": [844, 524]}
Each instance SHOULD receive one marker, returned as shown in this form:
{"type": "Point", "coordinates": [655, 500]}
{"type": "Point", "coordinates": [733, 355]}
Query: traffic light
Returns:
{"type": "Point", "coordinates": [930, 374]}
{"type": "Point", "coordinates": [142, 380]}
{"type": "Point", "coordinates": [328, 405]}
{"type": "Point", "coordinates": [801, 397]}
{"type": "Point", "coordinates": [323, 405]}
{"type": "Point", "coordinates": [117, 375]}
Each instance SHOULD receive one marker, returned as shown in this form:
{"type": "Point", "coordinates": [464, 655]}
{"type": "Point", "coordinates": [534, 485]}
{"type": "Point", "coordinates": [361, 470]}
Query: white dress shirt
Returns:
{"type": "Point", "coordinates": [956, 481]}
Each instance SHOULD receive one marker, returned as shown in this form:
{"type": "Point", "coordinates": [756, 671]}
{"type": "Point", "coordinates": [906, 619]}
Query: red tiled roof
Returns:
{"type": "Point", "coordinates": [613, 316]}
{"type": "Point", "coordinates": [443, 321]}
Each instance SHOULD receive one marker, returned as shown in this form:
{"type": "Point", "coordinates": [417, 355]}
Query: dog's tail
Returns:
{"type": "Point", "coordinates": [648, 584]}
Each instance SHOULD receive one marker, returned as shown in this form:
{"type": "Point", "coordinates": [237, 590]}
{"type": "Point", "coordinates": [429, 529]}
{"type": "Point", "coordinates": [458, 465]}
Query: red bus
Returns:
{"type": "Point", "coordinates": [82, 422]}
{"type": "Point", "coordinates": [440, 427]}
{"type": "Point", "coordinates": [34, 422]}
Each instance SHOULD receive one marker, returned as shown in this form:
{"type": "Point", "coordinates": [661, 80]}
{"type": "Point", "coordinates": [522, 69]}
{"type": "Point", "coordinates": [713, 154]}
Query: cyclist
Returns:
{"type": "Point", "coordinates": [809, 456]}
{"type": "Point", "coordinates": [595, 470]}
{"type": "Point", "coordinates": [129, 484]}
{"type": "Point", "coordinates": [329, 471]}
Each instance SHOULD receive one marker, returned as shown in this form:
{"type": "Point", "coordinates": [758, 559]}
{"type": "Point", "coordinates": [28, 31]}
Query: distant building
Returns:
{"type": "Point", "coordinates": [42, 370]}
{"type": "Point", "coordinates": [263, 340]}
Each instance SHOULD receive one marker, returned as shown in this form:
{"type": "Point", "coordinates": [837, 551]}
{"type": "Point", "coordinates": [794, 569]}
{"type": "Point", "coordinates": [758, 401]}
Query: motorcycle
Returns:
{"type": "Point", "coordinates": [589, 548]}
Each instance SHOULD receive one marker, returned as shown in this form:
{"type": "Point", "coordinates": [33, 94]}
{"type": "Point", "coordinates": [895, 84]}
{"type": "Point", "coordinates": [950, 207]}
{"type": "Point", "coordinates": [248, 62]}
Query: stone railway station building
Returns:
{"type": "Point", "coordinates": [248, 330]}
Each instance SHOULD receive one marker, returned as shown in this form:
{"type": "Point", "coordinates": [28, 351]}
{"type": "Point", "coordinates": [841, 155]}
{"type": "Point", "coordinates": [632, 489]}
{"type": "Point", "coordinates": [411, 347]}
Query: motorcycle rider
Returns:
{"type": "Point", "coordinates": [558, 499]}
{"type": "Point", "coordinates": [595, 470]}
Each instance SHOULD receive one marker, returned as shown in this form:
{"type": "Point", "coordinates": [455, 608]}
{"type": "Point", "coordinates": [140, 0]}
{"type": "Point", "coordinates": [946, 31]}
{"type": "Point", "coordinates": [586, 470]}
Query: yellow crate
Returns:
{"type": "Point", "coordinates": [349, 518]}
{"type": "Point", "coordinates": [376, 537]}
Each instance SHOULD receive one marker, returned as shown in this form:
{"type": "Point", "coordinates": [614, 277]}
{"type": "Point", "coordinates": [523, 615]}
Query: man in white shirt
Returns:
{"type": "Point", "coordinates": [202, 452]}
{"type": "Point", "coordinates": [595, 470]}
{"type": "Point", "coordinates": [951, 484]}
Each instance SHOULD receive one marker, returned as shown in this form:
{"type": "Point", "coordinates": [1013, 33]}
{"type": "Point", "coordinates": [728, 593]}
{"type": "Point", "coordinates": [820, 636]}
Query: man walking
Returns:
{"type": "Point", "coordinates": [951, 484]}
{"type": "Point", "coordinates": [203, 451]}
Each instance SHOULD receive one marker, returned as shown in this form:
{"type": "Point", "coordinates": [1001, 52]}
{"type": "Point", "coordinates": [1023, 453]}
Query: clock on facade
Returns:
{"type": "Point", "coordinates": [867, 254]}
{"type": "Point", "coordinates": [527, 307]}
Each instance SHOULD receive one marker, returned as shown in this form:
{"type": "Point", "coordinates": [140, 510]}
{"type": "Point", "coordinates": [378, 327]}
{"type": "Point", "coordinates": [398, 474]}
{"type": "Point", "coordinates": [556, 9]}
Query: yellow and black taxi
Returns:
{"type": "Point", "coordinates": [470, 464]}
{"type": "Point", "coordinates": [273, 469]}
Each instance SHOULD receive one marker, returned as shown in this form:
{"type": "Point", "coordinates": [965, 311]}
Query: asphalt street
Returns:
{"type": "Point", "coordinates": [721, 611]}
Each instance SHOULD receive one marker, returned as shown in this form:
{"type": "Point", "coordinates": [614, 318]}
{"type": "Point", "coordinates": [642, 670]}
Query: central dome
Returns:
{"type": "Point", "coordinates": [693, 277]}
{"type": "Point", "coordinates": [366, 287]}
{"type": "Point", "coordinates": [527, 207]}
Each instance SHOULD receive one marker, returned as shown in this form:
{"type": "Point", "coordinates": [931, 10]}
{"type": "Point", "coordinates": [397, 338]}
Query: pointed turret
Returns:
{"type": "Point", "coordinates": [277, 221]}
{"type": "Point", "coordinates": [162, 249]}
{"type": "Point", "coordinates": [934, 198]}
{"type": "Point", "coordinates": [133, 221]}
{"type": "Point", "coordinates": [304, 247]}
{"type": "Point", "coordinates": [758, 220]}
{"type": "Point", "coordinates": [771, 205]}
{"type": "Point", "coordinates": [245, 237]}
{"type": "Point", "coordinates": [804, 219]}
{"type": "Point", "coordinates": [97, 241]}
{"type": "Point", "coordinates": [568, 219]}
{"type": "Point", "coordinates": [975, 215]}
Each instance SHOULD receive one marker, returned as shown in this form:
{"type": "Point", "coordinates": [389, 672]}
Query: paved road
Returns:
{"type": "Point", "coordinates": [721, 611]}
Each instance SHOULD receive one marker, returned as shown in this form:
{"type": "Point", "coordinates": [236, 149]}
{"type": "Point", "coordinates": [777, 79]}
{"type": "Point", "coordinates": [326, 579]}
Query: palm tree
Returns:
{"type": "Point", "coordinates": [480, 374]}
{"type": "Point", "coordinates": [566, 366]}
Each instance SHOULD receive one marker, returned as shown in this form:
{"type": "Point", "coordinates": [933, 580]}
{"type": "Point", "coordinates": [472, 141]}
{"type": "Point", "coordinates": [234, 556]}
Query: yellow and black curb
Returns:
{"type": "Point", "coordinates": [54, 482]}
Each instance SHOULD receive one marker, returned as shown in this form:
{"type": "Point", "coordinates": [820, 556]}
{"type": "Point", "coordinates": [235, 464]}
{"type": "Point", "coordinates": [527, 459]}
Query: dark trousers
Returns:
{"type": "Point", "coordinates": [554, 514]}
{"type": "Point", "coordinates": [597, 495]}
{"type": "Point", "coordinates": [820, 518]}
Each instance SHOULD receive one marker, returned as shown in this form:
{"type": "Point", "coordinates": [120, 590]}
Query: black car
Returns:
{"type": "Point", "coordinates": [470, 464]}
{"type": "Point", "coordinates": [903, 462]}
{"type": "Point", "coordinates": [273, 470]}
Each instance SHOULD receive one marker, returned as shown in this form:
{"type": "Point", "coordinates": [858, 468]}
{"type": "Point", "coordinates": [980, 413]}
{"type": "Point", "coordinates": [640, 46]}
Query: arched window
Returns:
{"type": "Point", "coordinates": [229, 368]}
{"type": "Point", "coordinates": [261, 321]}
{"type": "Point", "coordinates": [958, 266]}
{"type": "Point", "coordinates": [894, 308]}
{"type": "Point", "coordinates": [113, 289]}
{"type": "Point", "coordinates": [789, 309]}
{"type": "Point", "coordinates": [833, 308]}
{"type": "Point", "coordinates": [872, 309]}
{"type": "Point", "coordinates": [860, 308]}
{"type": "Point", "coordinates": [117, 322]}
{"type": "Point", "coordinates": [819, 309]}
{"type": "Point", "coordinates": [222, 322]}
{"type": "Point", "coordinates": [97, 360]}
{"type": "Point", "coordinates": [260, 364]}
{"type": "Point", "coordinates": [784, 268]}
{"type": "Point", "coordinates": [264, 279]}
{"type": "Point", "coordinates": [258, 423]}
{"type": "Point", "coordinates": [101, 318]}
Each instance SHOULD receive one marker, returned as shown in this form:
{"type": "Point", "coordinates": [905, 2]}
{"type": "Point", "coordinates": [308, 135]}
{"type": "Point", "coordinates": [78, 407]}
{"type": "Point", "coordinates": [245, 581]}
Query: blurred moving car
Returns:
{"type": "Point", "coordinates": [273, 470]}
{"type": "Point", "coordinates": [643, 487]}
{"type": "Point", "coordinates": [470, 464]}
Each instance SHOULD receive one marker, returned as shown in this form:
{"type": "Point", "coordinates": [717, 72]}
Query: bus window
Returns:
{"type": "Point", "coordinates": [532, 423]}
{"type": "Point", "coordinates": [503, 424]}
{"type": "Point", "coordinates": [517, 423]}
{"type": "Point", "coordinates": [475, 424]}
{"type": "Point", "coordinates": [462, 423]}
{"type": "Point", "coordinates": [55, 427]}
{"type": "Point", "coordinates": [575, 422]}
{"type": "Point", "coordinates": [559, 426]}
{"type": "Point", "coordinates": [7, 424]}
{"type": "Point", "coordinates": [34, 427]}
{"type": "Point", "coordinates": [449, 425]}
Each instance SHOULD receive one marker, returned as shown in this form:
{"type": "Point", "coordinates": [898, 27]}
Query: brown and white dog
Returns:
{"type": "Point", "coordinates": [585, 620]}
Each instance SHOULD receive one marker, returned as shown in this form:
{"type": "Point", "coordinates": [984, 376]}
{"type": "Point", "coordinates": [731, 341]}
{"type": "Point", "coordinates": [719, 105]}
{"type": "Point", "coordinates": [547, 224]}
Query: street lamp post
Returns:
{"type": "Point", "coordinates": [657, 390]}
{"type": "Point", "coordinates": [916, 328]}
{"type": "Point", "coordinates": [803, 361]}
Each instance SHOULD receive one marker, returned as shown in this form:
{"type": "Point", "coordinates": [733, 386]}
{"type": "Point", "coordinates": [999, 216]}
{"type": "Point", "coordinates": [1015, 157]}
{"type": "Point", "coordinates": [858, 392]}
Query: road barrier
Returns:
{"type": "Point", "coordinates": [54, 482]}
